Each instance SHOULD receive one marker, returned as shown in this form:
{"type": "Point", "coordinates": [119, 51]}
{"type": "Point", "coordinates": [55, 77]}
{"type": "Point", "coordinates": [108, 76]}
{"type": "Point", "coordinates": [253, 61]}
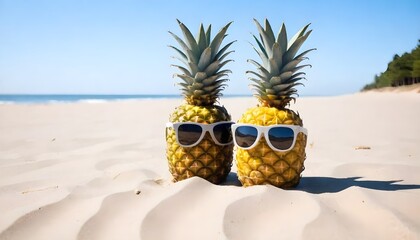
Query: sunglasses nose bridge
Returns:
{"type": "Point", "coordinates": [206, 135]}
{"type": "Point", "coordinates": [262, 139]}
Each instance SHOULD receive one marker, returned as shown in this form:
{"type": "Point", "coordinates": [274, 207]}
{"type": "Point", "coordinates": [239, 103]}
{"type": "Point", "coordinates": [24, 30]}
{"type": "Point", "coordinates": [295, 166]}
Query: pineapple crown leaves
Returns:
{"type": "Point", "coordinates": [278, 74]}
{"type": "Point", "coordinates": [202, 77]}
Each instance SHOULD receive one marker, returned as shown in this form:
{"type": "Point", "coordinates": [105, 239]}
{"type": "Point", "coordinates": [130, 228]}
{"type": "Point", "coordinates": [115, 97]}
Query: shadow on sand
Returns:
{"type": "Point", "coordinates": [318, 185]}
{"type": "Point", "coordinates": [232, 180]}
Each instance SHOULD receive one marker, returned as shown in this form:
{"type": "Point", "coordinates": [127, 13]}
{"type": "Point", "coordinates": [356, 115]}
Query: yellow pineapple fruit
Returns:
{"type": "Point", "coordinates": [202, 82]}
{"type": "Point", "coordinates": [274, 84]}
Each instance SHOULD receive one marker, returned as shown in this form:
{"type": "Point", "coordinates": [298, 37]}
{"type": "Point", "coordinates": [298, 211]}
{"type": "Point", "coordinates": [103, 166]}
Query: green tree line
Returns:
{"type": "Point", "coordinates": [404, 66]}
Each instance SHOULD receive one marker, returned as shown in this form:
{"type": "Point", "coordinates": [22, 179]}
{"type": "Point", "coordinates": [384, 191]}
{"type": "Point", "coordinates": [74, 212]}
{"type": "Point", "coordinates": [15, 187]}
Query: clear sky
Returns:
{"type": "Point", "coordinates": [120, 47]}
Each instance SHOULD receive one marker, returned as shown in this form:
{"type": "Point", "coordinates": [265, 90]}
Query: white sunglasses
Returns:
{"type": "Point", "coordinates": [279, 137]}
{"type": "Point", "coordinates": [189, 134]}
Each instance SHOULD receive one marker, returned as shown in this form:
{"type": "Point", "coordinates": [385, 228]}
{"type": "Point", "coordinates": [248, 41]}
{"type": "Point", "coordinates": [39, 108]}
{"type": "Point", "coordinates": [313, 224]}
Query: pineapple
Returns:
{"type": "Point", "coordinates": [202, 80]}
{"type": "Point", "coordinates": [274, 84]}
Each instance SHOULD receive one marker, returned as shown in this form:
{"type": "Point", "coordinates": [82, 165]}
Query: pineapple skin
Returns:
{"type": "Point", "coordinates": [262, 165]}
{"type": "Point", "coordinates": [207, 159]}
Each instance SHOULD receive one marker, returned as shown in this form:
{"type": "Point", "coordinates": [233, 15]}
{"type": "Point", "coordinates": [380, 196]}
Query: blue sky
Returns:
{"type": "Point", "coordinates": [120, 47]}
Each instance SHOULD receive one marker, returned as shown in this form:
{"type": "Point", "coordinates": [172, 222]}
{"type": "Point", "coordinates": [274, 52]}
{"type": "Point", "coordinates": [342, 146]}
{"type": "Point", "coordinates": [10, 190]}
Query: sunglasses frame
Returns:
{"type": "Point", "coordinates": [205, 128]}
{"type": "Point", "coordinates": [264, 130]}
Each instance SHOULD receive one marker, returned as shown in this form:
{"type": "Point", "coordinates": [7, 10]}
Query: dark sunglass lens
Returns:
{"type": "Point", "coordinates": [223, 133]}
{"type": "Point", "coordinates": [281, 137]}
{"type": "Point", "coordinates": [189, 134]}
{"type": "Point", "coordinates": [245, 136]}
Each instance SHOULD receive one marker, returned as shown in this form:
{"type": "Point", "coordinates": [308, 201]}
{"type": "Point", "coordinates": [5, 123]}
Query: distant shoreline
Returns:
{"type": "Point", "coordinates": [407, 88]}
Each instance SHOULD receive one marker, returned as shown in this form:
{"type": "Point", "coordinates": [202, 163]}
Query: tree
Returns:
{"type": "Point", "coordinates": [416, 69]}
{"type": "Point", "coordinates": [404, 66]}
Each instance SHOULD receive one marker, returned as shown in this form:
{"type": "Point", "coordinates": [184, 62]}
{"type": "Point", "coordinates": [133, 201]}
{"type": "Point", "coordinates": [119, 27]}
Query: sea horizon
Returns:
{"type": "Point", "coordinates": [88, 98]}
{"type": "Point", "coordinates": [45, 98]}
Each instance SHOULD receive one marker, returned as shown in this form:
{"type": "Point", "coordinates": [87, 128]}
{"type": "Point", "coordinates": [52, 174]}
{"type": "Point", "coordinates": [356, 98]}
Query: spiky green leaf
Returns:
{"type": "Point", "coordinates": [192, 43]}
{"type": "Point", "coordinates": [198, 93]}
{"type": "Point", "coordinates": [224, 72]}
{"type": "Point", "coordinates": [300, 67]}
{"type": "Point", "coordinates": [256, 86]}
{"type": "Point", "coordinates": [185, 62]}
{"type": "Point", "coordinates": [204, 59]}
{"type": "Point", "coordinates": [297, 75]}
{"type": "Point", "coordinates": [208, 35]}
{"type": "Point", "coordinates": [273, 68]}
{"type": "Point", "coordinates": [262, 70]}
{"type": "Point", "coordinates": [292, 80]}
{"type": "Point", "coordinates": [183, 56]}
{"type": "Point", "coordinates": [266, 84]}
{"type": "Point", "coordinates": [256, 74]}
{"type": "Point", "coordinates": [187, 79]}
{"type": "Point", "coordinates": [277, 55]}
{"type": "Point", "coordinates": [276, 80]}
{"type": "Point", "coordinates": [265, 72]}
{"type": "Point", "coordinates": [294, 48]}
{"type": "Point", "coordinates": [221, 81]}
{"type": "Point", "coordinates": [299, 34]}
{"type": "Point", "coordinates": [184, 70]}
{"type": "Point", "coordinates": [217, 41]}
{"type": "Point", "coordinates": [285, 75]}
{"type": "Point", "coordinates": [211, 88]}
{"type": "Point", "coordinates": [304, 53]}
{"type": "Point", "coordinates": [267, 41]}
{"type": "Point", "coordinates": [193, 68]}
{"type": "Point", "coordinates": [282, 39]}
{"type": "Point", "coordinates": [291, 65]}
{"type": "Point", "coordinates": [260, 94]}
{"type": "Point", "coordinates": [200, 76]}
{"type": "Point", "coordinates": [184, 85]}
{"type": "Point", "coordinates": [225, 55]}
{"type": "Point", "coordinates": [261, 46]}
{"type": "Point", "coordinates": [269, 32]}
{"type": "Point", "coordinates": [263, 57]}
{"type": "Point", "coordinates": [187, 50]}
{"type": "Point", "coordinates": [219, 54]}
{"type": "Point", "coordinates": [197, 86]}
{"type": "Point", "coordinates": [285, 87]}
{"type": "Point", "coordinates": [270, 91]}
{"type": "Point", "coordinates": [202, 41]}
{"type": "Point", "coordinates": [259, 82]}
{"type": "Point", "coordinates": [211, 80]}
{"type": "Point", "coordinates": [212, 68]}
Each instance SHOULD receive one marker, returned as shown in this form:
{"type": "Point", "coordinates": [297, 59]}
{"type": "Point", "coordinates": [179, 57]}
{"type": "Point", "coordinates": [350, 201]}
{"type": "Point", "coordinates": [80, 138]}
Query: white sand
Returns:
{"type": "Point", "coordinates": [72, 171]}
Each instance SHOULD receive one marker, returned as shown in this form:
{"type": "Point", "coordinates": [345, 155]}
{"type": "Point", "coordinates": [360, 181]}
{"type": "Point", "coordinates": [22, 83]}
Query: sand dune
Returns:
{"type": "Point", "coordinates": [99, 171]}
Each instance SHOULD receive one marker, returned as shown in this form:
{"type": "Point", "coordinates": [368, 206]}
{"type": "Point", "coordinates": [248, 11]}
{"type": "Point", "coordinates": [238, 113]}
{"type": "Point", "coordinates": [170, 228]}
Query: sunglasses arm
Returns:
{"type": "Point", "coordinates": [304, 130]}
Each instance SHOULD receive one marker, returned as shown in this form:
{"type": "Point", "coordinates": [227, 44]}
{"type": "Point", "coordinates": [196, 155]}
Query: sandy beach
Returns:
{"type": "Point", "coordinates": [99, 171]}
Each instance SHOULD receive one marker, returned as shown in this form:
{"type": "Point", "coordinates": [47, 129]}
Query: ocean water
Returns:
{"type": "Point", "coordinates": [88, 98]}
{"type": "Point", "coordinates": [68, 98]}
